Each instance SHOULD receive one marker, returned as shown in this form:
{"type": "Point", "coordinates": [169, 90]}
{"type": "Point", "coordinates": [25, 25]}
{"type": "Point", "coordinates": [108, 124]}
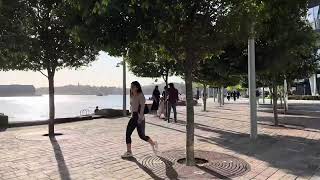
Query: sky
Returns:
{"type": "Point", "coordinates": [102, 72]}
{"type": "Point", "coordinates": [312, 14]}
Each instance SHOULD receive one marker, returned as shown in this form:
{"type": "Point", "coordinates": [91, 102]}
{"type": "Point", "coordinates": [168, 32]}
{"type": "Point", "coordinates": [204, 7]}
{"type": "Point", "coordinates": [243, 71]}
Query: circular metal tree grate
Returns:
{"type": "Point", "coordinates": [211, 165]}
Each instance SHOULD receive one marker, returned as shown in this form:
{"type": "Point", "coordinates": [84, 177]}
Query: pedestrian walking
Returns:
{"type": "Point", "coordinates": [228, 96]}
{"type": "Point", "coordinates": [173, 99]}
{"type": "Point", "coordinates": [238, 94]}
{"type": "Point", "coordinates": [137, 102]}
{"type": "Point", "coordinates": [257, 96]}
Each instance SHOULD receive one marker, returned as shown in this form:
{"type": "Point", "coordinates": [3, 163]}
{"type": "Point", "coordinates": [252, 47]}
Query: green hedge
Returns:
{"type": "Point", "coordinates": [303, 97]}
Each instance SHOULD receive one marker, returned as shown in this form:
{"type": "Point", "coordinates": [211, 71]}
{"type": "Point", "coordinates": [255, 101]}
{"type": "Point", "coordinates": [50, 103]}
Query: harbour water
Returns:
{"type": "Point", "coordinates": [37, 108]}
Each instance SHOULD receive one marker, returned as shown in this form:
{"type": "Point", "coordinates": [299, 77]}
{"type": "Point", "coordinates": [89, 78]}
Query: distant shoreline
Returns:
{"type": "Point", "coordinates": [21, 95]}
{"type": "Point", "coordinates": [62, 95]}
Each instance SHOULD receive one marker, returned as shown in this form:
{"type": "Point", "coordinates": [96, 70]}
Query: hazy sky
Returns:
{"type": "Point", "coordinates": [102, 72]}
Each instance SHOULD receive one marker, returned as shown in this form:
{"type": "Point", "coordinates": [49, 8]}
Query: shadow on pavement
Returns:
{"type": "Point", "coordinates": [299, 121]}
{"type": "Point", "coordinates": [215, 174]}
{"type": "Point", "coordinates": [145, 169]}
{"type": "Point", "coordinates": [297, 155]}
{"type": "Point", "coordinates": [170, 172]}
{"type": "Point", "coordinates": [63, 169]}
{"type": "Point", "coordinates": [311, 110]}
{"type": "Point", "coordinates": [211, 116]}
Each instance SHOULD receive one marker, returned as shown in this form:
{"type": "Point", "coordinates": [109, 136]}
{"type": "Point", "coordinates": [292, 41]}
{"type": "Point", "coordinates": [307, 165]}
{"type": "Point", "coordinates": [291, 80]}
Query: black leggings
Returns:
{"type": "Point", "coordinates": [133, 123]}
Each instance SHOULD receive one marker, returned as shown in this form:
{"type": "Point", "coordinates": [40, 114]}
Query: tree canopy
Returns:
{"type": "Point", "coordinates": [151, 62]}
{"type": "Point", "coordinates": [45, 31]}
{"type": "Point", "coordinates": [13, 37]}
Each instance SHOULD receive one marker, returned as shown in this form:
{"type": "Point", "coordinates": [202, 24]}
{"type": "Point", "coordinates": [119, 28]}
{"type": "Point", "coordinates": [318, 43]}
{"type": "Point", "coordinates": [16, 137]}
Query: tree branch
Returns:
{"type": "Point", "coordinates": [43, 74]}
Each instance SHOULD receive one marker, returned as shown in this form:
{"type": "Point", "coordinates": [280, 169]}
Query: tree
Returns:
{"type": "Point", "coordinates": [286, 45]}
{"type": "Point", "coordinates": [208, 75]}
{"type": "Point", "coordinates": [187, 30]}
{"type": "Point", "coordinates": [51, 46]}
{"type": "Point", "coordinates": [112, 26]}
{"type": "Point", "coordinates": [190, 31]}
{"type": "Point", "coordinates": [223, 69]}
{"type": "Point", "coordinates": [154, 62]}
{"type": "Point", "coordinates": [151, 62]}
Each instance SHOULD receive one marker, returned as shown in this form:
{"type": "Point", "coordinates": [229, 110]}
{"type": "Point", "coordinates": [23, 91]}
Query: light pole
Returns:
{"type": "Point", "coordinates": [252, 86]}
{"type": "Point", "coordinates": [124, 86]}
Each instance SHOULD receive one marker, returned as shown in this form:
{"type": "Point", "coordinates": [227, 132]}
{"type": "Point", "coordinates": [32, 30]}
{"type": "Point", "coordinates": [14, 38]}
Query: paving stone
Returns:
{"type": "Point", "coordinates": [92, 149]}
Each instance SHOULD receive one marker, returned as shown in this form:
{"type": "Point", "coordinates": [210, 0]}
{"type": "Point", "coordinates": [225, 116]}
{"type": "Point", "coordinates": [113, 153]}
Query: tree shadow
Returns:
{"type": "Point", "coordinates": [294, 120]}
{"type": "Point", "coordinates": [200, 126]}
{"type": "Point", "coordinates": [311, 110]}
{"type": "Point", "coordinates": [205, 113]}
{"type": "Point", "coordinates": [170, 172]}
{"type": "Point", "coordinates": [210, 116]}
{"type": "Point", "coordinates": [213, 173]}
{"type": "Point", "coordinates": [299, 114]}
{"type": "Point", "coordinates": [63, 169]}
{"type": "Point", "coordinates": [301, 122]}
{"type": "Point", "coordinates": [296, 155]}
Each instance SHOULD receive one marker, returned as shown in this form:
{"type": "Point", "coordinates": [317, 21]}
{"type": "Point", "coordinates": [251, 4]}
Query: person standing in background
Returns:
{"type": "Point", "coordinates": [156, 99]}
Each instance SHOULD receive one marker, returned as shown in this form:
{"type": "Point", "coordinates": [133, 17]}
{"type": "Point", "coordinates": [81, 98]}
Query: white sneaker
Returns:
{"type": "Point", "coordinates": [127, 155]}
{"type": "Point", "coordinates": [155, 147]}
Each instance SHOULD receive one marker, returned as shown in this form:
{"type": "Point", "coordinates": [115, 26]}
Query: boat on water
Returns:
{"type": "Point", "coordinates": [99, 94]}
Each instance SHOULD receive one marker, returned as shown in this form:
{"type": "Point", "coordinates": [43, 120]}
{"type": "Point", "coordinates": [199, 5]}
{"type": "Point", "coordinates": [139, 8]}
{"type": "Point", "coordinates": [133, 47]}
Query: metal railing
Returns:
{"type": "Point", "coordinates": [85, 112]}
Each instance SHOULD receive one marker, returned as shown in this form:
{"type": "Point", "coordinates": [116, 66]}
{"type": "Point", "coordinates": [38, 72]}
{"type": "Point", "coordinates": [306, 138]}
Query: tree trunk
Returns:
{"type": "Point", "coordinates": [263, 96]}
{"type": "Point", "coordinates": [204, 97]}
{"type": "Point", "coordinates": [271, 93]}
{"type": "Point", "coordinates": [214, 94]}
{"type": "Point", "coordinates": [219, 97]}
{"type": "Point", "coordinates": [275, 104]}
{"type": "Point", "coordinates": [285, 95]}
{"type": "Point", "coordinates": [166, 104]}
{"type": "Point", "coordinates": [190, 114]}
{"type": "Point", "coordinates": [281, 99]}
{"type": "Point", "coordinates": [51, 104]}
{"type": "Point", "coordinates": [222, 95]}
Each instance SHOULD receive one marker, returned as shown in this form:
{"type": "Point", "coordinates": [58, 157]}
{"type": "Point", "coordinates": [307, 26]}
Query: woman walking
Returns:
{"type": "Point", "coordinates": [137, 101]}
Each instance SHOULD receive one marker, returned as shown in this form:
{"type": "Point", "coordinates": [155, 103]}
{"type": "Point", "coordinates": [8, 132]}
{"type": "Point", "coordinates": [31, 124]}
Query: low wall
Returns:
{"type": "Point", "coordinates": [103, 113]}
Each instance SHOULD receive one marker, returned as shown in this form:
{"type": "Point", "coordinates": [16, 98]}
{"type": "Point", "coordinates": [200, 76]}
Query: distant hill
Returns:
{"type": "Point", "coordinates": [81, 90]}
{"type": "Point", "coordinates": [17, 90]}
{"type": "Point", "coordinates": [94, 90]}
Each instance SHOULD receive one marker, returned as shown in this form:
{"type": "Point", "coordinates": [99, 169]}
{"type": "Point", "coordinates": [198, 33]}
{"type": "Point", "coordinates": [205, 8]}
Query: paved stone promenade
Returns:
{"type": "Point", "coordinates": [92, 149]}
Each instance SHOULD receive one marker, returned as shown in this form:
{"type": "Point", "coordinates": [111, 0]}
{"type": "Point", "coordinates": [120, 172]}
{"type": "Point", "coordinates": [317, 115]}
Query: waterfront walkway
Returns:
{"type": "Point", "coordinates": [92, 149]}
